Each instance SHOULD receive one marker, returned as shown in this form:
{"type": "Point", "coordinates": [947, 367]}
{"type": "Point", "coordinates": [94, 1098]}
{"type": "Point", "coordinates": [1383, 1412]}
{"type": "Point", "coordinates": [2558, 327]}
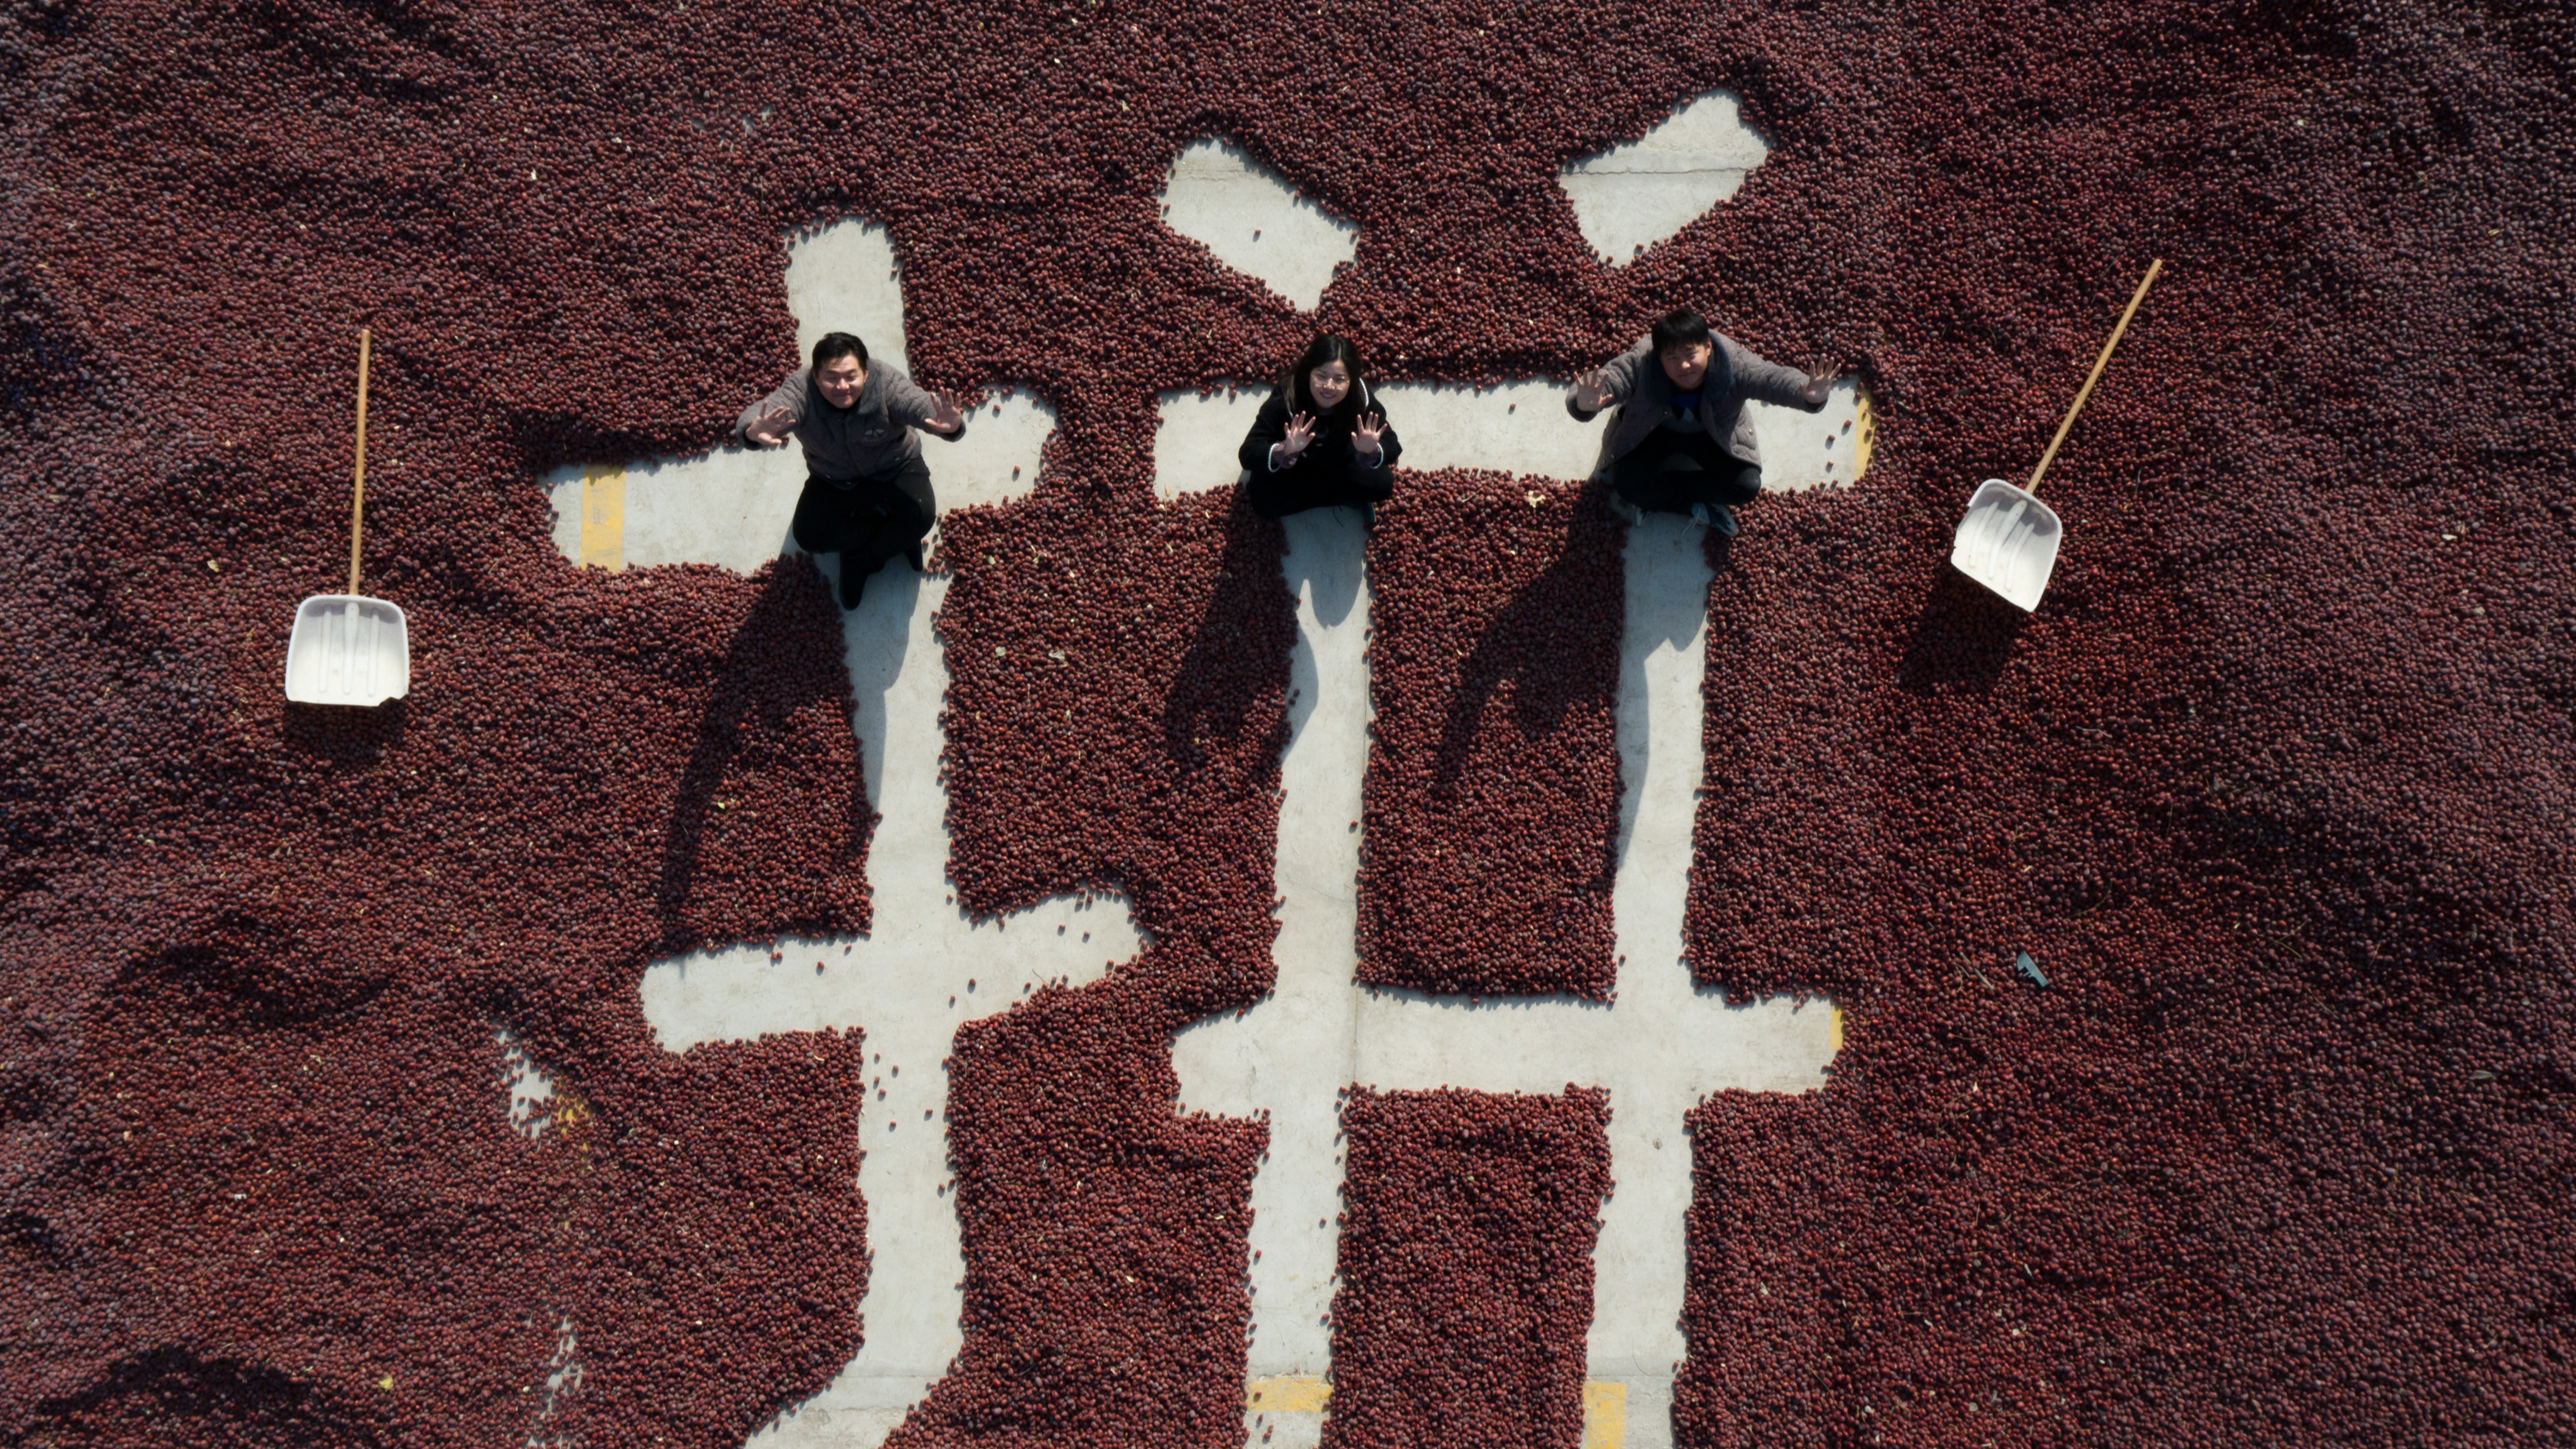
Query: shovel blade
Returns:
{"type": "Point", "coordinates": [348, 649]}
{"type": "Point", "coordinates": [2007, 542]}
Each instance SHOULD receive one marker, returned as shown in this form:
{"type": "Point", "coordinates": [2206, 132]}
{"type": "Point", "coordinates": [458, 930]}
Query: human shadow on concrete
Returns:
{"type": "Point", "coordinates": [1667, 574]}
{"type": "Point", "coordinates": [1327, 551]}
{"type": "Point", "coordinates": [1962, 639]}
{"type": "Point", "coordinates": [877, 637]}
{"type": "Point", "coordinates": [784, 655]}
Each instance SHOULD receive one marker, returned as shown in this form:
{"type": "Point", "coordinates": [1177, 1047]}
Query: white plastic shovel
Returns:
{"type": "Point", "coordinates": [346, 648]}
{"type": "Point", "coordinates": [2008, 540]}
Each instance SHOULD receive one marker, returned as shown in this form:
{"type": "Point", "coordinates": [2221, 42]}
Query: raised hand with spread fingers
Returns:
{"type": "Point", "coordinates": [951, 415]}
{"type": "Point", "coordinates": [868, 497]}
{"type": "Point", "coordinates": [1365, 438]}
{"type": "Point", "coordinates": [1320, 441]}
{"type": "Point", "coordinates": [1592, 390]}
{"type": "Point", "coordinates": [771, 428]}
{"type": "Point", "coordinates": [1301, 435]}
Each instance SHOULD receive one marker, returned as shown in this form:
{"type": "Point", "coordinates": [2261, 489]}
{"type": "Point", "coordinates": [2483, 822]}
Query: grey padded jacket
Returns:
{"type": "Point", "coordinates": [1644, 398]}
{"type": "Point", "coordinates": [868, 439]}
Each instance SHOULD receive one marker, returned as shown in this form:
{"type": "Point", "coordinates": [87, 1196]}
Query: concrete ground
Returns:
{"type": "Point", "coordinates": [1659, 1048]}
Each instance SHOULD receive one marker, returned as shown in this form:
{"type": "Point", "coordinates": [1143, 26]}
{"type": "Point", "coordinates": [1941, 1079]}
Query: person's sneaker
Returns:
{"type": "Point", "coordinates": [1715, 515]}
{"type": "Point", "coordinates": [853, 584]}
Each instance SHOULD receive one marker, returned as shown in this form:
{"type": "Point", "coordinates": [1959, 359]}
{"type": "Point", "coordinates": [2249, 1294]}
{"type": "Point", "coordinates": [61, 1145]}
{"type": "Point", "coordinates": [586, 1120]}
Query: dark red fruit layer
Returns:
{"type": "Point", "coordinates": [261, 1162]}
{"type": "Point", "coordinates": [2275, 785]}
{"type": "Point", "coordinates": [1105, 1295]}
{"type": "Point", "coordinates": [1116, 709]}
{"type": "Point", "coordinates": [1494, 621]}
{"type": "Point", "coordinates": [1466, 1264]}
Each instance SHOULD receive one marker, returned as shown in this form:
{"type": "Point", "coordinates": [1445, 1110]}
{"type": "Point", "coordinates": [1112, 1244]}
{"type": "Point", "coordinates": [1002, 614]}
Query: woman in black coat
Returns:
{"type": "Point", "coordinates": [1320, 439]}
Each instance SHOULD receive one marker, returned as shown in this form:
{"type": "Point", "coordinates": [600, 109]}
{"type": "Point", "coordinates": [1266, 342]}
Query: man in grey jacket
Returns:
{"type": "Point", "coordinates": [1680, 442]}
{"type": "Point", "coordinates": [867, 491]}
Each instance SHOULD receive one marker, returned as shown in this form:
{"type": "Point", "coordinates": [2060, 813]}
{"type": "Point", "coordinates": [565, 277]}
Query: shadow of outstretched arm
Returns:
{"type": "Point", "coordinates": [784, 657]}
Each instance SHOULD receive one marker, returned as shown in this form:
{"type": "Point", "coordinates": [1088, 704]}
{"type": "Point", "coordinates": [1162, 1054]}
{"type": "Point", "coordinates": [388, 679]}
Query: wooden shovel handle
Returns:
{"type": "Point", "coordinates": [2046, 458]}
{"type": "Point", "coordinates": [358, 498]}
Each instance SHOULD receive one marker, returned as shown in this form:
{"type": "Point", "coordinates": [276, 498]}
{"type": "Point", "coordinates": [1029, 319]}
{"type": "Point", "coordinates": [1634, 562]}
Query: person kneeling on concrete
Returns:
{"type": "Point", "coordinates": [867, 491]}
{"type": "Point", "coordinates": [1681, 442]}
{"type": "Point", "coordinates": [1320, 440]}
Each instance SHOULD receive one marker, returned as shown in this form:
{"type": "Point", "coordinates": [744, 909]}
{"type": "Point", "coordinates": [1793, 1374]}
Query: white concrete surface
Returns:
{"type": "Point", "coordinates": [728, 507]}
{"type": "Point", "coordinates": [925, 971]}
{"type": "Point", "coordinates": [842, 277]}
{"type": "Point", "coordinates": [1520, 426]}
{"type": "Point", "coordinates": [563, 1380]}
{"type": "Point", "coordinates": [1660, 1048]}
{"type": "Point", "coordinates": [1630, 197]}
{"type": "Point", "coordinates": [1255, 222]}
{"type": "Point", "coordinates": [1802, 450]}
{"type": "Point", "coordinates": [732, 506]}
{"type": "Point", "coordinates": [1196, 437]}
{"type": "Point", "coordinates": [531, 1091]}
{"type": "Point", "coordinates": [1290, 1056]}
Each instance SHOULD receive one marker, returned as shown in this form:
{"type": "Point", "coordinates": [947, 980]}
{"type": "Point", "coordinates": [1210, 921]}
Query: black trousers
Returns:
{"type": "Point", "coordinates": [869, 521]}
{"type": "Point", "coordinates": [1667, 472]}
{"type": "Point", "coordinates": [1314, 483]}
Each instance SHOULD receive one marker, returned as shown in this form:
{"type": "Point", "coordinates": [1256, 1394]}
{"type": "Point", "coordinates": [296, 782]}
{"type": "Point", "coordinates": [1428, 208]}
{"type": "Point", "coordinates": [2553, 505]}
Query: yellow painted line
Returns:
{"type": "Point", "coordinates": [1605, 1414]}
{"type": "Point", "coordinates": [1834, 1039]}
{"type": "Point", "coordinates": [603, 517]}
{"type": "Point", "coordinates": [1866, 430]}
{"type": "Point", "coordinates": [1605, 1404]}
{"type": "Point", "coordinates": [1288, 1394]}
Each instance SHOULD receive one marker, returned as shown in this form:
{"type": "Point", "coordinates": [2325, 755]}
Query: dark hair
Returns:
{"type": "Point", "coordinates": [838, 345]}
{"type": "Point", "coordinates": [1327, 347]}
{"type": "Point", "coordinates": [1680, 327]}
